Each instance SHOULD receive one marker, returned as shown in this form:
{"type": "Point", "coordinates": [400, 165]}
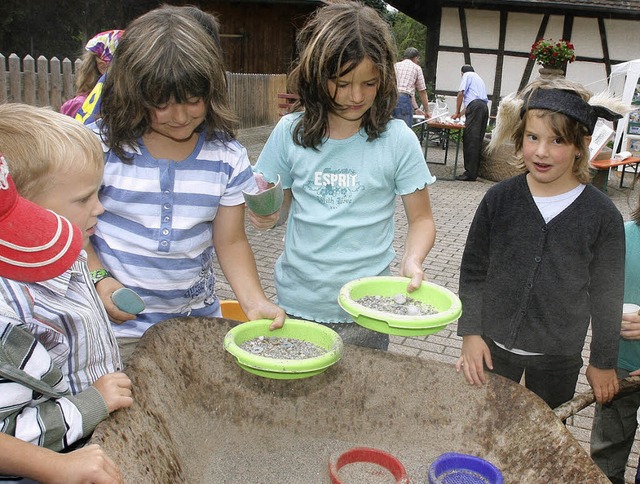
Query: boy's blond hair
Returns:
{"type": "Point", "coordinates": [41, 143]}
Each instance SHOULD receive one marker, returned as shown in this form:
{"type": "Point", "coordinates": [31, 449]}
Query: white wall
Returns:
{"type": "Point", "coordinates": [483, 27]}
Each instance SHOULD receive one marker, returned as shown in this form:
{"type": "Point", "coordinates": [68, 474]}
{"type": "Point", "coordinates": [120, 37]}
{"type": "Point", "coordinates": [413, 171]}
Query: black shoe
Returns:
{"type": "Point", "coordinates": [465, 177]}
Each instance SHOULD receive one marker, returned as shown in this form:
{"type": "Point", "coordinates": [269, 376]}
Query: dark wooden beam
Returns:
{"type": "Point", "coordinates": [465, 35]}
{"type": "Point", "coordinates": [567, 27]}
{"type": "Point", "coordinates": [497, 83]}
{"type": "Point", "coordinates": [434, 20]}
{"type": "Point", "coordinates": [627, 10]}
{"type": "Point", "coordinates": [526, 75]}
{"type": "Point", "coordinates": [605, 46]}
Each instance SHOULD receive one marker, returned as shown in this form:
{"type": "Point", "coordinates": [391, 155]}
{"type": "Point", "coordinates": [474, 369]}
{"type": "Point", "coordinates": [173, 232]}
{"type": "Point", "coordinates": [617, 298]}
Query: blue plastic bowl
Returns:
{"type": "Point", "coordinates": [454, 468]}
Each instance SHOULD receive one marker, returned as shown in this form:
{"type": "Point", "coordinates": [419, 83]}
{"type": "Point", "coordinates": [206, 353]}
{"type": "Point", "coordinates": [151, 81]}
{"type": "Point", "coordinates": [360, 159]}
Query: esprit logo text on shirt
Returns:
{"type": "Point", "coordinates": [335, 187]}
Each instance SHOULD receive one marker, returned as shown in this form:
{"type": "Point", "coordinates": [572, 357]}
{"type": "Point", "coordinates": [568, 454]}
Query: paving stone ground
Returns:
{"type": "Point", "coordinates": [454, 204]}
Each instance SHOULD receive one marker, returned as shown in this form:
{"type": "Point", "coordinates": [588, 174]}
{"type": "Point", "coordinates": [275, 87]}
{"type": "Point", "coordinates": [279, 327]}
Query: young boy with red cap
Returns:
{"type": "Point", "coordinates": [59, 361]}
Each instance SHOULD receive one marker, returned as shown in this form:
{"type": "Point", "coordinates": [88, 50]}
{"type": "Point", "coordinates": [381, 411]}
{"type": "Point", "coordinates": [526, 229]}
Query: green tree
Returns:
{"type": "Point", "coordinates": [61, 28]}
{"type": "Point", "coordinates": [409, 33]}
{"type": "Point", "coordinates": [37, 27]}
{"type": "Point", "coordinates": [380, 6]}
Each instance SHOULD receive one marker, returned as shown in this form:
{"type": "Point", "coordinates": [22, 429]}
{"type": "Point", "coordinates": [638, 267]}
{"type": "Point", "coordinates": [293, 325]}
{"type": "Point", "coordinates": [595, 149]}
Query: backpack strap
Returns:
{"type": "Point", "coordinates": [23, 378]}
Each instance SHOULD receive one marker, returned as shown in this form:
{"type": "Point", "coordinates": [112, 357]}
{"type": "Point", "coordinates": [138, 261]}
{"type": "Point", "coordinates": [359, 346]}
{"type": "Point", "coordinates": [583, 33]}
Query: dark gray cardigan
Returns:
{"type": "Point", "coordinates": [535, 286]}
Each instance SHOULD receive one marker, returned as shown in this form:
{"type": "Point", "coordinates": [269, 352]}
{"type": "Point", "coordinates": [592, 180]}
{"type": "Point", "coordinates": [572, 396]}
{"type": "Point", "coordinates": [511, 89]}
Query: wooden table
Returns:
{"type": "Point", "coordinates": [601, 178]}
{"type": "Point", "coordinates": [447, 130]}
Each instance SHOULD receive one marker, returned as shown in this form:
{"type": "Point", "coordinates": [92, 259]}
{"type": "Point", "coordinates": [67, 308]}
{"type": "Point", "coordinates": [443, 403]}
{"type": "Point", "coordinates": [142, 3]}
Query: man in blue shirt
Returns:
{"type": "Point", "coordinates": [473, 94]}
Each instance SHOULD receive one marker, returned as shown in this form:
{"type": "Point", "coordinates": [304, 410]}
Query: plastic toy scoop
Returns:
{"type": "Point", "coordinates": [128, 301]}
{"type": "Point", "coordinates": [268, 200]}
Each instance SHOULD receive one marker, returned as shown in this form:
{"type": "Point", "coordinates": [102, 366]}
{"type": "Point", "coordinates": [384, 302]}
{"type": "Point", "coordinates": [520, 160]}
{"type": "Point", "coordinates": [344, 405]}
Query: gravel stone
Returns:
{"type": "Point", "coordinates": [399, 304]}
{"type": "Point", "coordinates": [282, 348]}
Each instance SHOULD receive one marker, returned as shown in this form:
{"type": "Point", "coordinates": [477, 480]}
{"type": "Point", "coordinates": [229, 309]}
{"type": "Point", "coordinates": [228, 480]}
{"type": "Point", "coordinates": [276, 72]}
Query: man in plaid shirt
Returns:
{"type": "Point", "coordinates": [409, 78]}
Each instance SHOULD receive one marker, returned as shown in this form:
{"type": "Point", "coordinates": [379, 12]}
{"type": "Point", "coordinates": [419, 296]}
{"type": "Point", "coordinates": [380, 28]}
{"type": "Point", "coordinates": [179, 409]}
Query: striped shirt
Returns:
{"type": "Point", "coordinates": [56, 331]}
{"type": "Point", "coordinates": [409, 77]}
{"type": "Point", "coordinates": [156, 235]}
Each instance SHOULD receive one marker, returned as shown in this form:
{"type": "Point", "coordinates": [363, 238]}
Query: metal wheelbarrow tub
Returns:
{"type": "Point", "coordinates": [199, 418]}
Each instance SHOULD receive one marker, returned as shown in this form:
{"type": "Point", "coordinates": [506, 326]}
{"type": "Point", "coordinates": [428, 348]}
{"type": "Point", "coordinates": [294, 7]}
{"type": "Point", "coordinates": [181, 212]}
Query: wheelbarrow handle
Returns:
{"type": "Point", "coordinates": [628, 385]}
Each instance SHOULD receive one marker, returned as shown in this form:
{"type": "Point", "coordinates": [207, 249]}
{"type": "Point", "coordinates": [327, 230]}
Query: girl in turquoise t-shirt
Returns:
{"type": "Point", "coordinates": [615, 423]}
{"type": "Point", "coordinates": [342, 160]}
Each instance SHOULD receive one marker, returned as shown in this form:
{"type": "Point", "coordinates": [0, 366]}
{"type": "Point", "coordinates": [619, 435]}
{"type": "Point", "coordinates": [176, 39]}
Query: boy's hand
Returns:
{"type": "Point", "coordinates": [630, 328]}
{"type": "Point", "coordinates": [88, 464]}
{"type": "Point", "coordinates": [263, 222]}
{"type": "Point", "coordinates": [267, 310]}
{"type": "Point", "coordinates": [106, 287]}
{"type": "Point", "coordinates": [603, 382]}
{"type": "Point", "coordinates": [115, 388]}
{"type": "Point", "coordinates": [474, 353]}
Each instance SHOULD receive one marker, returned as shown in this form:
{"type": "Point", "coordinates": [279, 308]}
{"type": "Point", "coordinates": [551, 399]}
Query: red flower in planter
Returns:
{"type": "Point", "coordinates": [550, 53]}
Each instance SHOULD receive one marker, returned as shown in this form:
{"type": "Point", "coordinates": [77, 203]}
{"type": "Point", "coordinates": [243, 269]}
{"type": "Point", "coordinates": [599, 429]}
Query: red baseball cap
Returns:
{"type": "Point", "coordinates": [35, 244]}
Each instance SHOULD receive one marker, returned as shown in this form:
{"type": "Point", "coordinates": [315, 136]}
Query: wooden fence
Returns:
{"type": "Point", "coordinates": [254, 97]}
{"type": "Point", "coordinates": [50, 83]}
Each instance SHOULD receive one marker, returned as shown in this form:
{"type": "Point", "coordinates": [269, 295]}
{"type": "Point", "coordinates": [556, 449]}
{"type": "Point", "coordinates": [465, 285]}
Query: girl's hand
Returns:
{"type": "Point", "coordinates": [475, 353]}
{"type": "Point", "coordinates": [87, 464]}
{"type": "Point", "coordinates": [266, 222]}
{"type": "Point", "coordinates": [630, 328]}
{"type": "Point", "coordinates": [267, 310]}
{"type": "Point", "coordinates": [421, 236]}
{"type": "Point", "coordinates": [635, 372]}
{"type": "Point", "coordinates": [263, 222]}
{"type": "Point", "coordinates": [412, 269]}
{"type": "Point", "coordinates": [603, 382]}
{"type": "Point", "coordinates": [106, 287]}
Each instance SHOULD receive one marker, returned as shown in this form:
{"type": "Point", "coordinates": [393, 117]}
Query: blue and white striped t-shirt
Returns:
{"type": "Point", "coordinates": [156, 235]}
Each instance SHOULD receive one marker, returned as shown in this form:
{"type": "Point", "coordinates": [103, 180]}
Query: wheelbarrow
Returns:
{"type": "Point", "coordinates": [199, 418]}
